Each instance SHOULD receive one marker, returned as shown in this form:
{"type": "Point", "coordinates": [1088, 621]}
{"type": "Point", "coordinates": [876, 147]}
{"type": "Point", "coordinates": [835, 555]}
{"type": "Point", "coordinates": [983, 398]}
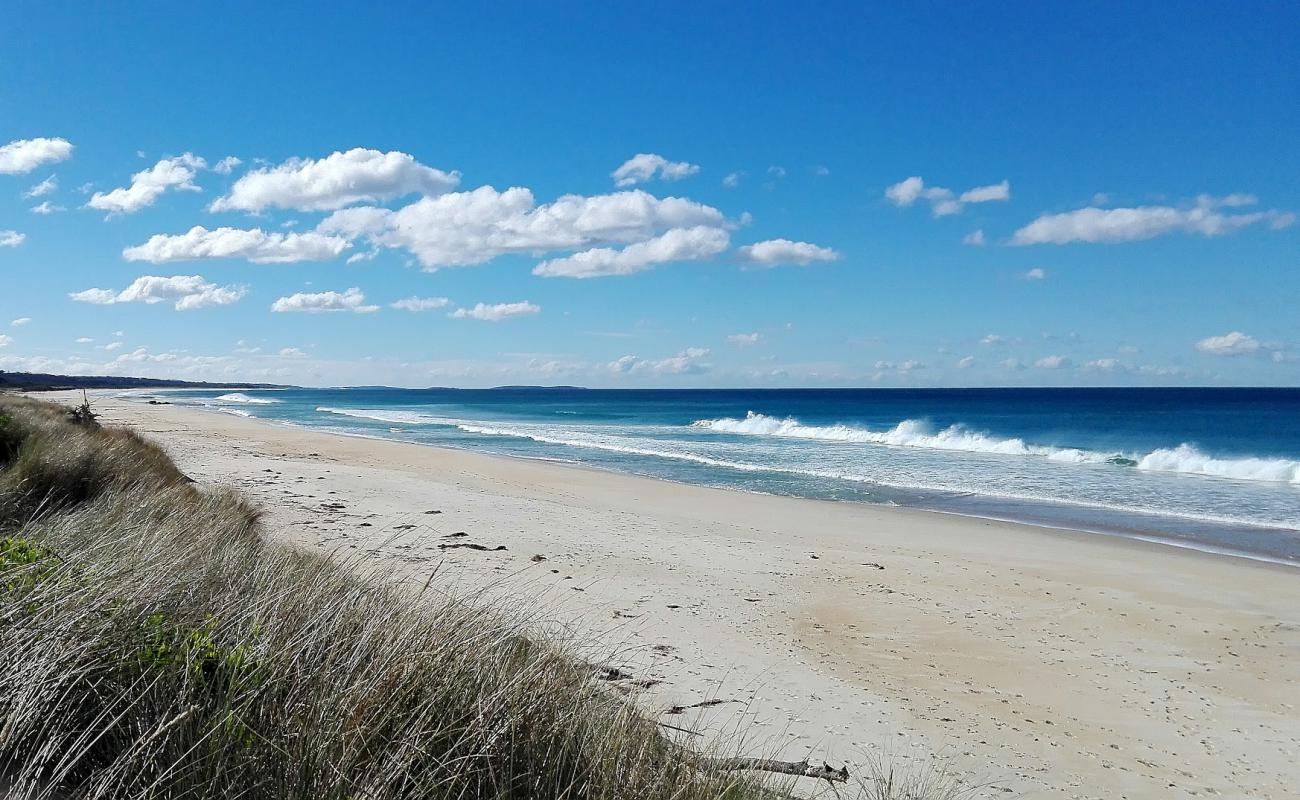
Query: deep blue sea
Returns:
{"type": "Point", "coordinates": [1217, 469]}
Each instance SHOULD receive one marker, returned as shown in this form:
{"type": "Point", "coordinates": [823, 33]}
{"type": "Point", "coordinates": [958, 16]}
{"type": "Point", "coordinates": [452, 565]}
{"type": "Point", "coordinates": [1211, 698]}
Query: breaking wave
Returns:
{"type": "Point", "coordinates": [240, 397]}
{"type": "Point", "coordinates": [1183, 459]}
{"type": "Point", "coordinates": [387, 415]}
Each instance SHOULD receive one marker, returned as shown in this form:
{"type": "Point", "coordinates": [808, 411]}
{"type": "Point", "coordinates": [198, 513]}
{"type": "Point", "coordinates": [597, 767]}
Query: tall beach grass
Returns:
{"type": "Point", "coordinates": [155, 643]}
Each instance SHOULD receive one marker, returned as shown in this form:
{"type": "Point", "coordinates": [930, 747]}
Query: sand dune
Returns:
{"type": "Point", "coordinates": [1041, 663]}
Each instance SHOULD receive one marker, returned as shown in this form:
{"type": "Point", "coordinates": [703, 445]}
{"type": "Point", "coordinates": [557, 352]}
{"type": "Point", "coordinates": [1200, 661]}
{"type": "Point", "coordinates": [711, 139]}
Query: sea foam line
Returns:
{"type": "Point", "coordinates": [1184, 459]}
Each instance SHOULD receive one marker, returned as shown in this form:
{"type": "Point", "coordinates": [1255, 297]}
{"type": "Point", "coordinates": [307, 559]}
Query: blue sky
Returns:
{"type": "Point", "coordinates": [789, 209]}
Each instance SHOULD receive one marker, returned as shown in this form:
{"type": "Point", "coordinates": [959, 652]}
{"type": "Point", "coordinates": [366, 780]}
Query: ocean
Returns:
{"type": "Point", "coordinates": [1213, 469]}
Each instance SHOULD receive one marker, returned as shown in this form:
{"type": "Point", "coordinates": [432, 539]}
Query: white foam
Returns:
{"type": "Point", "coordinates": [1184, 459]}
{"type": "Point", "coordinates": [238, 412]}
{"type": "Point", "coordinates": [240, 397]}
{"type": "Point", "coordinates": [908, 433]}
{"type": "Point", "coordinates": [1188, 460]}
{"type": "Point", "coordinates": [387, 415]}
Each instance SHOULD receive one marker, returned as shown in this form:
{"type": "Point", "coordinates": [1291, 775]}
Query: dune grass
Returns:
{"type": "Point", "coordinates": [154, 643]}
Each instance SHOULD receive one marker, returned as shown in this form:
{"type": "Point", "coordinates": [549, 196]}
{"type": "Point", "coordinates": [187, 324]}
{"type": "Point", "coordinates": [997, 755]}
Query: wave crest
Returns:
{"type": "Point", "coordinates": [1184, 459]}
{"type": "Point", "coordinates": [240, 397]}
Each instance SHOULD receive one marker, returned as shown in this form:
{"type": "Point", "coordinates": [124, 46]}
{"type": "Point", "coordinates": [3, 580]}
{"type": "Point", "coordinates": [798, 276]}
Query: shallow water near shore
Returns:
{"type": "Point", "coordinates": [1214, 469]}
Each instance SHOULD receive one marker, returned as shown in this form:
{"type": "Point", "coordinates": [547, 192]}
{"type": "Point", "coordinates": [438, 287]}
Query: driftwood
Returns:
{"type": "Point", "coordinates": [802, 768]}
{"type": "Point", "coordinates": [472, 546]}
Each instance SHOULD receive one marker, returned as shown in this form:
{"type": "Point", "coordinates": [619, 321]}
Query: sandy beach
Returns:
{"type": "Point", "coordinates": [1038, 663]}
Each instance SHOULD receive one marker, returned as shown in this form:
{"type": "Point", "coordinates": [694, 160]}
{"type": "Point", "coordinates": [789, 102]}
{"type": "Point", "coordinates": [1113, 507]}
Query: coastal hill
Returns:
{"type": "Point", "coordinates": [44, 381]}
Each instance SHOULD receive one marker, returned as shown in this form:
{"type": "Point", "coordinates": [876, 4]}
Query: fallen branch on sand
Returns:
{"type": "Point", "coordinates": [482, 547]}
{"type": "Point", "coordinates": [802, 768]}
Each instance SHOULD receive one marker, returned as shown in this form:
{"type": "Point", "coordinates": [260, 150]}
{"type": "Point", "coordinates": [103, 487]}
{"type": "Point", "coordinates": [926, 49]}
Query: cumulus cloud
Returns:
{"type": "Point", "coordinates": [944, 202]}
{"type": "Point", "coordinates": [646, 166]}
{"type": "Point", "coordinates": [150, 184]}
{"type": "Point", "coordinates": [46, 207]}
{"type": "Point", "coordinates": [688, 361]}
{"type": "Point", "coordinates": [1035, 274]}
{"type": "Point", "coordinates": [5, 341]}
{"type": "Point", "coordinates": [677, 244]}
{"type": "Point", "coordinates": [495, 312]}
{"type": "Point", "coordinates": [1052, 362]}
{"type": "Point", "coordinates": [975, 238]}
{"type": "Point", "coordinates": [1111, 225]}
{"type": "Point", "coordinates": [323, 302]}
{"type": "Point", "coordinates": [783, 251]}
{"type": "Point", "coordinates": [21, 321]}
{"type": "Point", "coordinates": [25, 155]}
{"type": "Point", "coordinates": [966, 363]}
{"type": "Point", "coordinates": [1105, 365]}
{"type": "Point", "coordinates": [187, 292]}
{"type": "Point", "coordinates": [732, 179]}
{"type": "Point", "coordinates": [465, 228]}
{"type": "Point", "coordinates": [340, 179]}
{"type": "Point", "coordinates": [1234, 343]}
{"type": "Point", "coordinates": [292, 352]}
{"type": "Point", "coordinates": [226, 165]}
{"type": "Point", "coordinates": [745, 339]}
{"type": "Point", "coordinates": [992, 339]}
{"type": "Point", "coordinates": [254, 245]}
{"type": "Point", "coordinates": [84, 340]}
{"type": "Point", "coordinates": [417, 304]}
{"type": "Point", "coordinates": [12, 238]}
{"type": "Point", "coordinates": [47, 186]}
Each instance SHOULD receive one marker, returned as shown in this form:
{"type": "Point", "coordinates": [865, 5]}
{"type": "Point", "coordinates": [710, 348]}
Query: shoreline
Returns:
{"type": "Point", "coordinates": [1047, 527]}
{"type": "Point", "coordinates": [1042, 662]}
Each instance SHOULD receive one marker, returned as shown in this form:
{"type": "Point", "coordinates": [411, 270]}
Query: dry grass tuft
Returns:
{"type": "Point", "coordinates": [154, 644]}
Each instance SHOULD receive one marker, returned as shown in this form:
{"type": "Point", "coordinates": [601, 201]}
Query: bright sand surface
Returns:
{"type": "Point", "coordinates": [1040, 663]}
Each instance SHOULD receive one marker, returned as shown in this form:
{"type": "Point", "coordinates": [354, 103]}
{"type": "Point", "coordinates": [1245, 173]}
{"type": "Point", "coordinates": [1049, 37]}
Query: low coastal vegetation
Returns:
{"type": "Point", "coordinates": [155, 643]}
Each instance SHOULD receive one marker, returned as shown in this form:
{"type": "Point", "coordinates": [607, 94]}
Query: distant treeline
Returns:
{"type": "Point", "coordinates": [41, 381]}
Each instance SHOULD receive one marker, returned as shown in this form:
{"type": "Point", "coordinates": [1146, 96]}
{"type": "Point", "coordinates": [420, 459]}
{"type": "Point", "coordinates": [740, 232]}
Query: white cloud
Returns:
{"type": "Point", "coordinates": [46, 207]}
{"type": "Point", "coordinates": [227, 165]}
{"type": "Point", "coordinates": [992, 339]}
{"type": "Point", "coordinates": [254, 245]}
{"type": "Point", "coordinates": [975, 238]}
{"type": "Point", "coordinates": [84, 340]}
{"type": "Point", "coordinates": [43, 188]}
{"type": "Point", "coordinates": [776, 171]}
{"type": "Point", "coordinates": [5, 341]}
{"type": "Point", "coordinates": [21, 321]}
{"type": "Point", "coordinates": [966, 362]}
{"type": "Point", "coordinates": [465, 228]}
{"type": "Point", "coordinates": [783, 251]}
{"type": "Point", "coordinates": [902, 366]}
{"type": "Point", "coordinates": [25, 155]}
{"type": "Point", "coordinates": [322, 302]}
{"type": "Point", "coordinates": [986, 194]}
{"type": "Point", "coordinates": [340, 179]}
{"type": "Point", "coordinates": [111, 346]}
{"type": "Point", "coordinates": [732, 179]}
{"type": "Point", "coordinates": [188, 292]}
{"type": "Point", "coordinates": [1013, 364]}
{"type": "Point", "coordinates": [416, 304]}
{"type": "Point", "coordinates": [12, 238]}
{"type": "Point", "coordinates": [1035, 274]}
{"type": "Point", "coordinates": [943, 201]}
{"type": "Point", "coordinates": [150, 184]}
{"type": "Point", "coordinates": [496, 312]}
{"type": "Point", "coordinates": [745, 339]}
{"type": "Point", "coordinates": [1111, 225]}
{"type": "Point", "coordinates": [645, 166]}
{"type": "Point", "coordinates": [1105, 365]}
{"type": "Point", "coordinates": [292, 352]}
{"type": "Point", "coordinates": [1230, 344]}
{"type": "Point", "coordinates": [688, 361]}
{"type": "Point", "coordinates": [1052, 362]}
{"type": "Point", "coordinates": [677, 244]}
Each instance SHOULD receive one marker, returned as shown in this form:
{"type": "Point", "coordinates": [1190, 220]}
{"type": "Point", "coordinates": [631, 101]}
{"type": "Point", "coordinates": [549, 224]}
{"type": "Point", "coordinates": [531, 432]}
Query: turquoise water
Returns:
{"type": "Point", "coordinates": [1215, 469]}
